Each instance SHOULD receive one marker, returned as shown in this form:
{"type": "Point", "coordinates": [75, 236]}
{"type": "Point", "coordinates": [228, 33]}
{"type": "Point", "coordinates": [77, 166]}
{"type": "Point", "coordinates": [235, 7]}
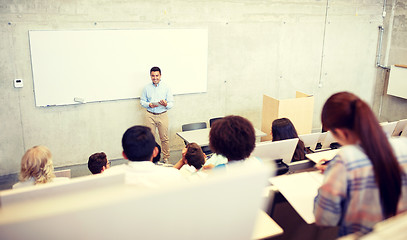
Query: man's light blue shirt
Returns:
{"type": "Point", "coordinates": [153, 94]}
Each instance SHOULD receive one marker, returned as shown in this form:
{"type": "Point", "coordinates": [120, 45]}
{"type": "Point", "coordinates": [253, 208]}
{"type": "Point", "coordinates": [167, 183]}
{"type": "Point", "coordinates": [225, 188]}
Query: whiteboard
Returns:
{"type": "Point", "coordinates": [101, 65]}
{"type": "Point", "coordinates": [397, 82]}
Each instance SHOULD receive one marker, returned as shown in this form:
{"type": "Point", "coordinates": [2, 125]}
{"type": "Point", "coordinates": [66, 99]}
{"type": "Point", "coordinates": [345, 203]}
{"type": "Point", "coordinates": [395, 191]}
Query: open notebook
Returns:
{"type": "Point", "coordinates": [322, 155]}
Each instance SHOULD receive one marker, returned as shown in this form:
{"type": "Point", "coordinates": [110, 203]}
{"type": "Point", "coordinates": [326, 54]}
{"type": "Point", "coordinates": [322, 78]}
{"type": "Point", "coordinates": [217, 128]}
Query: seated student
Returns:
{"type": "Point", "coordinates": [192, 160]}
{"type": "Point", "coordinates": [282, 129]}
{"type": "Point", "coordinates": [366, 181]}
{"type": "Point", "coordinates": [139, 147]}
{"type": "Point", "coordinates": [98, 163]}
{"type": "Point", "coordinates": [37, 168]}
{"type": "Point", "coordinates": [234, 138]}
{"type": "Point", "coordinates": [215, 160]}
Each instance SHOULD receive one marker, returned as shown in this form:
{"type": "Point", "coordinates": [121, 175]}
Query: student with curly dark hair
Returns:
{"type": "Point", "coordinates": [233, 137]}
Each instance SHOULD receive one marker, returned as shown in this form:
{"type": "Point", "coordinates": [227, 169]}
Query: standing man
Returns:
{"type": "Point", "coordinates": [157, 99]}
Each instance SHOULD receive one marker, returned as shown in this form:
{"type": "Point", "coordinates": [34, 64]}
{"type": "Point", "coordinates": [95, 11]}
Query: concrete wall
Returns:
{"type": "Point", "coordinates": [255, 47]}
{"type": "Point", "coordinates": [394, 51]}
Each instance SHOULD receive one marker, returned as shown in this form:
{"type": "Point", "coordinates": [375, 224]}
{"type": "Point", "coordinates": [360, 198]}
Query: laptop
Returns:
{"type": "Point", "coordinates": [310, 140]}
{"type": "Point", "coordinates": [388, 127]}
{"type": "Point", "coordinates": [270, 150]}
{"type": "Point", "coordinates": [401, 127]}
{"type": "Point", "coordinates": [328, 140]}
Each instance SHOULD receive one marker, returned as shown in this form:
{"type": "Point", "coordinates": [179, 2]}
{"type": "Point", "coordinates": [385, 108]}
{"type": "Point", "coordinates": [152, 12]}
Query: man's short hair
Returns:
{"type": "Point", "coordinates": [96, 162]}
{"type": "Point", "coordinates": [138, 143]}
{"type": "Point", "coordinates": [155, 69]}
{"type": "Point", "coordinates": [233, 137]}
{"type": "Point", "coordinates": [195, 155]}
{"type": "Point", "coordinates": [157, 158]}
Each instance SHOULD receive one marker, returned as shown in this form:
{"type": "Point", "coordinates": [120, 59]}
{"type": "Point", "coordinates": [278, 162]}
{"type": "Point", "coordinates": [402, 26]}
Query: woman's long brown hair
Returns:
{"type": "Point", "coordinates": [283, 128]}
{"type": "Point", "coordinates": [346, 110]}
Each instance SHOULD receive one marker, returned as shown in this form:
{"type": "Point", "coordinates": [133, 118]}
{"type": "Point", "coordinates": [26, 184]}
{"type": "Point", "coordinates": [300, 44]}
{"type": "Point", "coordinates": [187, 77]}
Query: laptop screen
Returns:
{"type": "Point", "coordinates": [269, 150]}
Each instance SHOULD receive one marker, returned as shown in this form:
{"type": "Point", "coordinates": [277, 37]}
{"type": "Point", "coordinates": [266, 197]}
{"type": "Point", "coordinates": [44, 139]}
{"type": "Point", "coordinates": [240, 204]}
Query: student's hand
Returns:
{"type": "Point", "coordinates": [163, 102]}
{"type": "Point", "coordinates": [151, 105]}
{"type": "Point", "coordinates": [208, 167]}
{"type": "Point", "coordinates": [321, 165]}
{"type": "Point", "coordinates": [179, 164]}
{"type": "Point", "coordinates": [184, 151]}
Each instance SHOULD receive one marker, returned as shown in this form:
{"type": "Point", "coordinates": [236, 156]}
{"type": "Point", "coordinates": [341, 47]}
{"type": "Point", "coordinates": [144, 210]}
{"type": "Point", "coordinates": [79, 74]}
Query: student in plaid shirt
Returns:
{"type": "Point", "coordinates": [366, 182]}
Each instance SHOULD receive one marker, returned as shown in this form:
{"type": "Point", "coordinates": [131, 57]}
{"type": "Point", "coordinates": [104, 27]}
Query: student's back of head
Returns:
{"type": "Point", "coordinates": [344, 112]}
{"type": "Point", "coordinates": [98, 163]}
{"type": "Point", "coordinates": [233, 137]}
{"type": "Point", "coordinates": [194, 155]}
{"type": "Point", "coordinates": [157, 158]}
{"type": "Point", "coordinates": [138, 143]}
{"type": "Point", "coordinates": [282, 129]}
{"type": "Point", "coordinates": [37, 164]}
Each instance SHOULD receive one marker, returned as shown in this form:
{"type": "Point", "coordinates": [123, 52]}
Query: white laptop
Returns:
{"type": "Point", "coordinates": [329, 138]}
{"type": "Point", "coordinates": [310, 140]}
{"type": "Point", "coordinates": [388, 127]}
{"type": "Point", "coordinates": [321, 137]}
{"type": "Point", "coordinates": [400, 128]}
{"type": "Point", "coordinates": [270, 150]}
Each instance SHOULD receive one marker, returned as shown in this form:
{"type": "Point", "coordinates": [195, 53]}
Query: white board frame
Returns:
{"type": "Point", "coordinates": [102, 65]}
{"type": "Point", "coordinates": [397, 82]}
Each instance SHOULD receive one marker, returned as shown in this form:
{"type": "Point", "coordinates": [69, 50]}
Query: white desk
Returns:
{"type": "Point", "coordinates": [201, 136]}
{"type": "Point", "coordinates": [300, 189]}
{"type": "Point", "coordinates": [232, 216]}
{"type": "Point", "coordinates": [265, 227]}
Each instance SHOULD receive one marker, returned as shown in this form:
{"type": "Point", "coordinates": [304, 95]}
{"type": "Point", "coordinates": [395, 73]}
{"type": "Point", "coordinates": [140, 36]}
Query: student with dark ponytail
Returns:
{"type": "Point", "coordinates": [366, 182]}
{"type": "Point", "coordinates": [282, 129]}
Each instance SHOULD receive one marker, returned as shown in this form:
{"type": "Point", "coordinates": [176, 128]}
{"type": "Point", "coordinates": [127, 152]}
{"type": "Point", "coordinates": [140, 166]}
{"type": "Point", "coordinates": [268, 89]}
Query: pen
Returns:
{"type": "Point", "coordinates": [325, 162]}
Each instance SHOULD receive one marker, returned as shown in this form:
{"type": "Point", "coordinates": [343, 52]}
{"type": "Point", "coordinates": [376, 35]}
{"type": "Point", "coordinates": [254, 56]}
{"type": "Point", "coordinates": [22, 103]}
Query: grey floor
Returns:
{"type": "Point", "coordinates": [78, 170]}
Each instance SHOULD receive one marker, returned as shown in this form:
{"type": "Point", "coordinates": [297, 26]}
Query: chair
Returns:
{"type": "Point", "coordinates": [212, 120]}
{"type": "Point", "coordinates": [195, 126]}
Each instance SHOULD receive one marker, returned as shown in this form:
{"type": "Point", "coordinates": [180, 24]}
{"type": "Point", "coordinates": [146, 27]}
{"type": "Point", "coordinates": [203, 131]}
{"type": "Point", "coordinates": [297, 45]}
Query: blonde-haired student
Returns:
{"type": "Point", "coordinates": [36, 167]}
